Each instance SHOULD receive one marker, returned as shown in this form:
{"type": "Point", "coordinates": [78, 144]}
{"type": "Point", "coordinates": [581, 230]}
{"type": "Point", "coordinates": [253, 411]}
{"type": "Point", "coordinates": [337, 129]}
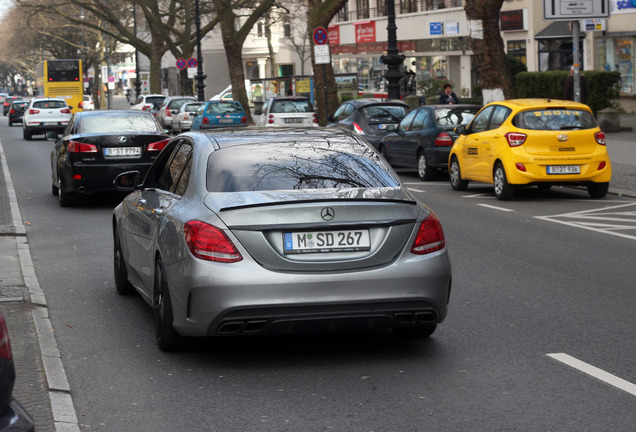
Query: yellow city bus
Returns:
{"type": "Point", "coordinates": [61, 79]}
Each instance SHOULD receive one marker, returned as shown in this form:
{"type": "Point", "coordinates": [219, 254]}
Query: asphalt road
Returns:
{"type": "Point", "coordinates": [547, 273]}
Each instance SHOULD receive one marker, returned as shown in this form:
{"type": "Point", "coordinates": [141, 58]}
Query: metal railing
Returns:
{"type": "Point", "coordinates": [401, 7]}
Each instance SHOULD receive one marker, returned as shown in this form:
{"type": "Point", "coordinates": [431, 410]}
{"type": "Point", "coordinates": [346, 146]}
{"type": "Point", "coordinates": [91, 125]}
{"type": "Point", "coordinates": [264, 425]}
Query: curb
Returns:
{"type": "Point", "coordinates": [63, 409]}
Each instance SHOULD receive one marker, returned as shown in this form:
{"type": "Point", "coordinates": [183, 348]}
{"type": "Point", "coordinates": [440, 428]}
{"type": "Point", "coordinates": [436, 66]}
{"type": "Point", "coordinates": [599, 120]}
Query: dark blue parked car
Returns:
{"type": "Point", "coordinates": [217, 114]}
{"type": "Point", "coordinates": [424, 137]}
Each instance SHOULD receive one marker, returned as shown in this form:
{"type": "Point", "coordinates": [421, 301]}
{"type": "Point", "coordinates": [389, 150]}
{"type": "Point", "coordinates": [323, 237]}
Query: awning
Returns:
{"type": "Point", "coordinates": [558, 30]}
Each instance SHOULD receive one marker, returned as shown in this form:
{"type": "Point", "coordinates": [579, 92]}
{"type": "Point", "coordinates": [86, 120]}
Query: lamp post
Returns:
{"type": "Point", "coordinates": [392, 59]}
{"type": "Point", "coordinates": [199, 77]}
{"type": "Point", "coordinates": [137, 81]}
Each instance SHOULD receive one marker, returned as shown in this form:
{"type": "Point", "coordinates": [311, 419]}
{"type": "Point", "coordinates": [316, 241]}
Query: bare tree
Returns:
{"type": "Point", "coordinates": [320, 14]}
{"type": "Point", "coordinates": [489, 57]}
{"type": "Point", "coordinates": [296, 19]}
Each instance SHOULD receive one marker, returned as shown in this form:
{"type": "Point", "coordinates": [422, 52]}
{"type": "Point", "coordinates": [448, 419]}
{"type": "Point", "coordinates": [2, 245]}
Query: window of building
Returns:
{"type": "Point", "coordinates": [408, 6]}
{"type": "Point", "coordinates": [617, 54]}
{"type": "Point", "coordinates": [362, 8]}
{"type": "Point", "coordinates": [517, 49]}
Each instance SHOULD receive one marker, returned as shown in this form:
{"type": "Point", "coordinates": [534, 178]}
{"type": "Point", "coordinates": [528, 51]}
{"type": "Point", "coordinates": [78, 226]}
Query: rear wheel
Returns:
{"type": "Point", "coordinates": [424, 172]}
{"type": "Point", "coordinates": [598, 190]}
{"type": "Point", "coordinates": [66, 199]}
{"type": "Point", "coordinates": [167, 337]}
{"type": "Point", "coordinates": [503, 190]}
{"type": "Point", "coordinates": [456, 176]}
{"type": "Point", "coordinates": [123, 286]}
{"type": "Point", "coordinates": [26, 134]}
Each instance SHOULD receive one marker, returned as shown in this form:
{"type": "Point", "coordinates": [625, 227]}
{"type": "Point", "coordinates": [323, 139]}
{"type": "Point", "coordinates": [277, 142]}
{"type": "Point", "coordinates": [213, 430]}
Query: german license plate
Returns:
{"type": "Point", "coordinates": [49, 123]}
{"type": "Point", "coordinates": [563, 169]}
{"type": "Point", "coordinates": [122, 151]}
{"type": "Point", "coordinates": [326, 241]}
{"type": "Point", "coordinates": [293, 120]}
{"type": "Point", "coordinates": [226, 121]}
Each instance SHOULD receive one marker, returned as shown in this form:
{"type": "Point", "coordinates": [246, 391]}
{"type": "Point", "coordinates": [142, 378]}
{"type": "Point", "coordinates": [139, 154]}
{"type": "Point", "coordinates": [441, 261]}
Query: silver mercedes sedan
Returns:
{"type": "Point", "coordinates": [275, 231]}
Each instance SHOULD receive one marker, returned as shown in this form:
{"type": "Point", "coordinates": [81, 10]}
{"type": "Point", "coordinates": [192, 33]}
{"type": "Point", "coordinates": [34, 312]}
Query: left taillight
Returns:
{"type": "Point", "coordinates": [430, 237]}
{"type": "Point", "coordinates": [515, 139]}
{"type": "Point", "coordinates": [80, 147]}
{"type": "Point", "coordinates": [210, 243]}
{"type": "Point", "coordinates": [65, 111]}
{"type": "Point", "coordinates": [168, 113]}
{"type": "Point", "coordinates": [157, 146]}
{"type": "Point", "coordinates": [5, 344]}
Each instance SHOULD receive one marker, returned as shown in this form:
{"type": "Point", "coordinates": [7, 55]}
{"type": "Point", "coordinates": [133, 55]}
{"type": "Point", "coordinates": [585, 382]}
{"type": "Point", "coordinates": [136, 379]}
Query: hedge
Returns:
{"type": "Point", "coordinates": [602, 87]}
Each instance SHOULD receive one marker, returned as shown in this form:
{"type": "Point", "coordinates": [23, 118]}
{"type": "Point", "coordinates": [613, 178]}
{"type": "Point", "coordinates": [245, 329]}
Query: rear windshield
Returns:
{"type": "Point", "coordinates": [177, 103]}
{"type": "Point", "coordinates": [192, 107]}
{"type": "Point", "coordinates": [125, 124]}
{"type": "Point", "coordinates": [296, 166]}
{"type": "Point", "coordinates": [554, 119]}
{"type": "Point", "coordinates": [455, 116]}
{"type": "Point", "coordinates": [377, 114]}
{"type": "Point", "coordinates": [292, 106]}
{"type": "Point", "coordinates": [19, 104]}
{"type": "Point", "coordinates": [156, 101]}
{"type": "Point", "coordinates": [224, 107]}
{"type": "Point", "coordinates": [49, 104]}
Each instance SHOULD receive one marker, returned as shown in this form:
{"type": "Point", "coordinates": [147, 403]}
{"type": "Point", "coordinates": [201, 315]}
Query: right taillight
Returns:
{"type": "Point", "coordinates": [443, 139]}
{"type": "Point", "coordinates": [34, 111]}
{"type": "Point", "coordinates": [357, 129]}
{"type": "Point", "coordinates": [205, 120]}
{"type": "Point", "coordinates": [600, 138]}
{"type": "Point", "coordinates": [80, 147]}
{"type": "Point", "coordinates": [210, 243]}
{"type": "Point", "coordinates": [430, 236]}
{"type": "Point", "coordinates": [5, 344]}
{"type": "Point", "coordinates": [515, 139]}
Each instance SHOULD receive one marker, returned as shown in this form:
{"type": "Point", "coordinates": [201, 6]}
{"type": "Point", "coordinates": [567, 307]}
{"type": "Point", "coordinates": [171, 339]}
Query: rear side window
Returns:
{"type": "Point", "coordinates": [296, 166]}
{"type": "Point", "coordinates": [554, 119]}
{"type": "Point", "coordinates": [377, 114]}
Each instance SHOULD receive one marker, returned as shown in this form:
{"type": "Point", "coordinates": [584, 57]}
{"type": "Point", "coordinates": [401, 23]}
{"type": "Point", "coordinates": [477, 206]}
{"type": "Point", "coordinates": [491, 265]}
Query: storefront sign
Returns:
{"type": "Point", "coordinates": [622, 6]}
{"type": "Point", "coordinates": [435, 28]}
{"type": "Point", "coordinates": [365, 31]}
{"type": "Point", "coordinates": [451, 28]}
{"type": "Point", "coordinates": [513, 20]}
{"type": "Point", "coordinates": [334, 35]}
{"type": "Point", "coordinates": [593, 25]}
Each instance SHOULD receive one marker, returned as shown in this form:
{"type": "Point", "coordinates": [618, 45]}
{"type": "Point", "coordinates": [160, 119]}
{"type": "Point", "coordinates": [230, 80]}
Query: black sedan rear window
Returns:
{"type": "Point", "coordinates": [376, 114]}
{"type": "Point", "coordinates": [123, 124]}
{"type": "Point", "coordinates": [554, 119]}
{"type": "Point", "coordinates": [295, 166]}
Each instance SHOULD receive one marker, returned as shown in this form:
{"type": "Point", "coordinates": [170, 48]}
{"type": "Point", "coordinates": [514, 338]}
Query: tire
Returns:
{"type": "Point", "coordinates": [424, 172]}
{"type": "Point", "coordinates": [26, 134]}
{"type": "Point", "coordinates": [167, 337]}
{"type": "Point", "coordinates": [54, 190]}
{"type": "Point", "coordinates": [66, 199]}
{"type": "Point", "coordinates": [420, 332]}
{"type": "Point", "coordinates": [598, 190]}
{"type": "Point", "coordinates": [503, 190]}
{"type": "Point", "coordinates": [456, 181]}
{"type": "Point", "coordinates": [10, 123]}
{"type": "Point", "coordinates": [122, 284]}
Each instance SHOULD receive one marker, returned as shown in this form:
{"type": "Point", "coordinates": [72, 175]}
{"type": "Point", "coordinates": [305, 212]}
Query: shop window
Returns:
{"type": "Point", "coordinates": [517, 50]}
{"type": "Point", "coordinates": [556, 54]}
{"type": "Point", "coordinates": [617, 54]}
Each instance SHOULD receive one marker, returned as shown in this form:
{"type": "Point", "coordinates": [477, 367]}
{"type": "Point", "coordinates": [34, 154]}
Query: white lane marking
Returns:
{"type": "Point", "coordinates": [496, 208]}
{"type": "Point", "coordinates": [616, 220]}
{"type": "Point", "coordinates": [595, 372]}
{"type": "Point", "coordinates": [479, 195]}
{"type": "Point", "coordinates": [416, 190]}
{"type": "Point", "coordinates": [428, 183]}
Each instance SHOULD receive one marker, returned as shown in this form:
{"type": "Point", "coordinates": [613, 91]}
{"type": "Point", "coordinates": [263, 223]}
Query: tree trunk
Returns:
{"type": "Point", "coordinates": [489, 56]}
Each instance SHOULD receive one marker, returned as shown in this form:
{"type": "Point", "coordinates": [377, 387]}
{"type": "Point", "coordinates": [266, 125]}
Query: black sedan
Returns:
{"type": "Point", "coordinates": [13, 416]}
{"type": "Point", "coordinates": [424, 137]}
{"type": "Point", "coordinates": [6, 106]}
{"type": "Point", "coordinates": [369, 118]}
{"type": "Point", "coordinates": [96, 146]}
{"type": "Point", "coordinates": [16, 111]}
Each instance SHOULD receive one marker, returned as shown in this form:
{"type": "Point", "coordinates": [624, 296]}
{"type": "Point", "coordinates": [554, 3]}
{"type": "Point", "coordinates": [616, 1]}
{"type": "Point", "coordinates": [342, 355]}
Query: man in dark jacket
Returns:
{"type": "Point", "coordinates": [448, 96]}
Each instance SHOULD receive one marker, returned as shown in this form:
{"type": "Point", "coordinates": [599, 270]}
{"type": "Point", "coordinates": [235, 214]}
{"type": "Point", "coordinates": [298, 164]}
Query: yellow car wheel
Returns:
{"type": "Point", "coordinates": [503, 190]}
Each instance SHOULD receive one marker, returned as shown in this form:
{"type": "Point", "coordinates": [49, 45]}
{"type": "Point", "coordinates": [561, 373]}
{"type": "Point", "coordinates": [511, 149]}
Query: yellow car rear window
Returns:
{"type": "Point", "coordinates": [553, 119]}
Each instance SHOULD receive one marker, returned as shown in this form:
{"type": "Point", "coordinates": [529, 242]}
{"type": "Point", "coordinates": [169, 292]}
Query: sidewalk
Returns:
{"type": "Point", "coordinates": [41, 384]}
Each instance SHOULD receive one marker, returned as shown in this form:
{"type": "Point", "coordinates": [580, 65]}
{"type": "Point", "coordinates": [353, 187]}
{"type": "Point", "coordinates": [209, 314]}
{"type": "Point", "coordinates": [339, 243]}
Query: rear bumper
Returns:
{"type": "Point", "coordinates": [16, 418]}
{"type": "Point", "coordinates": [536, 171]}
{"type": "Point", "coordinates": [218, 126]}
{"type": "Point", "coordinates": [41, 129]}
{"type": "Point", "coordinates": [98, 178]}
{"type": "Point", "coordinates": [437, 157]}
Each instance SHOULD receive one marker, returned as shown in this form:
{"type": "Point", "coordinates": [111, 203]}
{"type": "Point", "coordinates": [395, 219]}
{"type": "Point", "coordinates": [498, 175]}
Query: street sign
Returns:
{"type": "Point", "coordinates": [192, 62]}
{"type": "Point", "coordinates": [181, 63]}
{"type": "Point", "coordinates": [321, 54]}
{"type": "Point", "coordinates": [111, 79]}
{"type": "Point", "coordinates": [568, 10]}
{"type": "Point", "coordinates": [320, 36]}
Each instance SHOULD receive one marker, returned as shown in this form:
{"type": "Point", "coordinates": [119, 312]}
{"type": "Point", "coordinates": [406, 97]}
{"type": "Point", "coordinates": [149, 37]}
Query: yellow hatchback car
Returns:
{"type": "Point", "coordinates": [523, 142]}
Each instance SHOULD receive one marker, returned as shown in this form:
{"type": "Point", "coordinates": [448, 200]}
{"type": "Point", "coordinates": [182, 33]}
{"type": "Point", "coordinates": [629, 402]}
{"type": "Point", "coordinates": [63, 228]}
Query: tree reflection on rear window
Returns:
{"type": "Point", "coordinates": [554, 119]}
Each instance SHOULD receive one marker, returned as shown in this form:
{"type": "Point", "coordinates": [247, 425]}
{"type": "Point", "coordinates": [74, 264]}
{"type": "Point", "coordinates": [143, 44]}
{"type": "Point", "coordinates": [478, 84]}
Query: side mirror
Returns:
{"type": "Point", "coordinates": [52, 136]}
{"type": "Point", "coordinates": [132, 103]}
{"type": "Point", "coordinates": [461, 130]}
{"type": "Point", "coordinates": [127, 181]}
{"type": "Point", "coordinates": [70, 107]}
{"type": "Point", "coordinates": [391, 128]}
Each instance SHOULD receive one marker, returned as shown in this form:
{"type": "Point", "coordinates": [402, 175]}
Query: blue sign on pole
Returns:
{"type": "Point", "coordinates": [435, 28]}
{"type": "Point", "coordinates": [181, 63]}
{"type": "Point", "coordinates": [320, 36]}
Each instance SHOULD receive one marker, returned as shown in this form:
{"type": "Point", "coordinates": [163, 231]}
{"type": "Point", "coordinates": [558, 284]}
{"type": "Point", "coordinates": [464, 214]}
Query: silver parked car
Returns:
{"type": "Point", "coordinates": [182, 121]}
{"type": "Point", "coordinates": [277, 231]}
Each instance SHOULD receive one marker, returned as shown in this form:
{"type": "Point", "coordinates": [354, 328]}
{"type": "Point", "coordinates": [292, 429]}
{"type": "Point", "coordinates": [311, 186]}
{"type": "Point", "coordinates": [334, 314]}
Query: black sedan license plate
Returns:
{"type": "Point", "coordinates": [122, 151]}
{"type": "Point", "coordinates": [327, 241]}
